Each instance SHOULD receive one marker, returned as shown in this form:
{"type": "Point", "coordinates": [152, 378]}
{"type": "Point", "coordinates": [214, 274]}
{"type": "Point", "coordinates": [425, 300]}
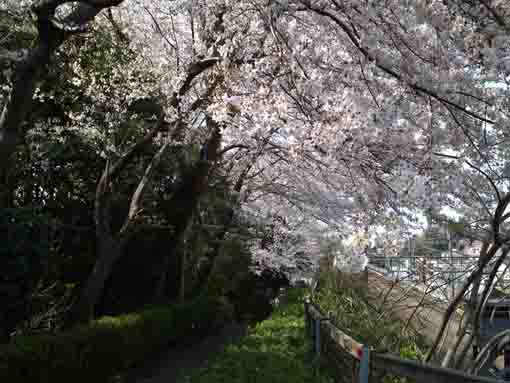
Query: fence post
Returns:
{"type": "Point", "coordinates": [307, 316]}
{"type": "Point", "coordinates": [317, 337]}
{"type": "Point", "coordinates": [364, 368]}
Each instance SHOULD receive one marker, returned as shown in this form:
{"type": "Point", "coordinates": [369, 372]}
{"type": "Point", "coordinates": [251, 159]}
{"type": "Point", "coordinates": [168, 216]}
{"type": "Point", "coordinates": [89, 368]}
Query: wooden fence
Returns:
{"type": "Point", "coordinates": [352, 361]}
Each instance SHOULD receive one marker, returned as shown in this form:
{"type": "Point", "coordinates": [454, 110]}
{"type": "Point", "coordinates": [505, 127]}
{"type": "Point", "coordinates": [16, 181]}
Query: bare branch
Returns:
{"type": "Point", "coordinates": [193, 71]}
{"type": "Point", "coordinates": [233, 146]}
{"type": "Point", "coordinates": [134, 206]}
{"type": "Point", "coordinates": [484, 260]}
{"type": "Point", "coordinates": [486, 176]}
{"type": "Point", "coordinates": [160, 31]}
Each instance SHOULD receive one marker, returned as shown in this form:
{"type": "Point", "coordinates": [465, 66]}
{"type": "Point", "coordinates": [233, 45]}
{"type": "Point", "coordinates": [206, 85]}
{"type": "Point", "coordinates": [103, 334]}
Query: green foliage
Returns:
{"type": "Point", "coordinates": [354, 314]}
{"type": "Point", "coordinates": [456, 227]}
{"type": "Point", "coordinates": [24, 240]}
{"type": "Point", "coordinates": [232, 277]}
{"type": "Point", "coordinates": [230, 269]}
{"type": "Point", "coordinates": [412, 351]}
{"type": "Point", "coordinates": [94, 353]}
{"type": "Point", "coordinates": [17, 29]}
{"type": "Point", "coordinates": [275, 350]}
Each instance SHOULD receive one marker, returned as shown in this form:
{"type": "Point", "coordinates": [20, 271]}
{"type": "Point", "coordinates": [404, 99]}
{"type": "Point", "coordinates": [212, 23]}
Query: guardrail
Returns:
{"type": "Point", "coordinates": [355, 362]}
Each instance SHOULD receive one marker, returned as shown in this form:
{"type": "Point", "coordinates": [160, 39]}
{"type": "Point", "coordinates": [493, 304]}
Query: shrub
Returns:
{"type": "Point", "coordinates": [95, 352]}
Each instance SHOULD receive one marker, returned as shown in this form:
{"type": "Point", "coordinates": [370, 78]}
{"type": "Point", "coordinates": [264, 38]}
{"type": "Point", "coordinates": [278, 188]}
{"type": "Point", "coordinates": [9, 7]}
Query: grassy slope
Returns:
{"type": "Point", "coordinates": [275, 350]}
{"type": "Point", "coordinates": [368, 323]}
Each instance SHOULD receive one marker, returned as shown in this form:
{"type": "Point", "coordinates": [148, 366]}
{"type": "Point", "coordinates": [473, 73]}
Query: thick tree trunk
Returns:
{"type": "Point", "coordinates": [180, 210]}
{"type": "Point", "coordinates": [109, 251]}
{"type": "Point", "coordinates": [184, 202]}
{"type": "Point", "coordinates": [16, 110]}
{"type": "Point", "coordinates": [29, 69]}
{"type": "Point", "coordinates": [177, 247]}
{"type": "Point", "coordinates": [182, 284]}
{"type": "Point", "coordinates": [184, 261]}
{"type": "Point", "coordinates": [7, 188]}
{"type": "Point", "coordinates": [19, 100]}
{"type": "Point", "coordinates": [159, 292]}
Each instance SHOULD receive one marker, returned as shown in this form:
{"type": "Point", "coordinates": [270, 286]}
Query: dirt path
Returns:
{"type": "Point", "coordinates": [179, 360]}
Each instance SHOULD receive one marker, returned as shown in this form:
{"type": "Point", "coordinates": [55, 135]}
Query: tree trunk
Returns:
{"type": "Point", "coordinates": [182, 284]}
{"type": "Point", "coordinates": [487, 255]}
{"type": "Point", "coordinates": [159, 291]}
{"type": "Point", "coordinates": [481, 303]}
{"type": "Point", "coordinates": [185, 200]}
{"type": "Point", "coordinates": [109, 250]}
{"type": "Point", "coordinates": [7, 186]}
{"type": "Point", "coordinates": [29, 69]}
{"type": "Point", "coordinates": [19, 100]}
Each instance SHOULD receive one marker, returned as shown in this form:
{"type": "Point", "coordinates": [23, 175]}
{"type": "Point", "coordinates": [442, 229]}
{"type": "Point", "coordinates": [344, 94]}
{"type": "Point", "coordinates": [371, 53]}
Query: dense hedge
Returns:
{"type": "Point", "coordinates": [96, 352]}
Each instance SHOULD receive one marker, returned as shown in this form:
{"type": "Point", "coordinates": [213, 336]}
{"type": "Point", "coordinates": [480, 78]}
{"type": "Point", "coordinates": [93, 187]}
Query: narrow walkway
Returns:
{"type": "Point", "coordinates": [175, 362]}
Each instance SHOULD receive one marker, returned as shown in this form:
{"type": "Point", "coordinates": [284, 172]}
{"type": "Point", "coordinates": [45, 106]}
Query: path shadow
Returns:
{"type": "Point", "coordinates": [171, 364]}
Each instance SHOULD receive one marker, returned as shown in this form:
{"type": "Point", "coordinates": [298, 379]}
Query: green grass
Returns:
{"type": "Point", "coordinates": [275, 350]}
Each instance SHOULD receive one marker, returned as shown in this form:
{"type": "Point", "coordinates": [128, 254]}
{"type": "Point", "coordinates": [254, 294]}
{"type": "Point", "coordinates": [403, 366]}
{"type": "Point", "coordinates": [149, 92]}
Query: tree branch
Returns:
{"type": "Point", "coordinates": [484, 260]}
{"type": "Point", "coordinates": [137, 195]}
{"type": "Point", "coordinates": [499, 19]}
{"type": "Point", "coordinates": [233, 146]}
{"type": "Point", "coordinates": [193, 71]}
{"type": "Point", "coordinates": [352, 37]}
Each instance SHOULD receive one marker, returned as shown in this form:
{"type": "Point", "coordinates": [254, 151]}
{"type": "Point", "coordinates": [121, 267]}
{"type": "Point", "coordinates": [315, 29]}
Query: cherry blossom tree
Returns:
{"type": "Point", "coordinates": [347, 117]}
{"type": "Point", "coordinates": [431, 66]}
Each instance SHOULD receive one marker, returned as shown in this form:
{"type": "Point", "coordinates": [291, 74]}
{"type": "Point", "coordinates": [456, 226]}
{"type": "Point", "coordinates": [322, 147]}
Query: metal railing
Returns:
{"type": "Point", "coordinates": [355, 362]}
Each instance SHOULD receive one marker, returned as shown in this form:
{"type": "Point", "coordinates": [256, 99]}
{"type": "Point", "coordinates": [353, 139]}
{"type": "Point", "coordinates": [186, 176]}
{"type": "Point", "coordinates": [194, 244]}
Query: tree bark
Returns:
{"type": "Point", "coordinates": [184, 202]}
{"type": "Point", "coordinates": [182, 285]}
{"type": "Point", "coordinates": [178, 245]}
{"type": "Point", "coordinates": [109, 250]}
{"type": "Point", "coordinates": [19, 100]}
{"type": "Point", "coordinates": [159, 291]}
